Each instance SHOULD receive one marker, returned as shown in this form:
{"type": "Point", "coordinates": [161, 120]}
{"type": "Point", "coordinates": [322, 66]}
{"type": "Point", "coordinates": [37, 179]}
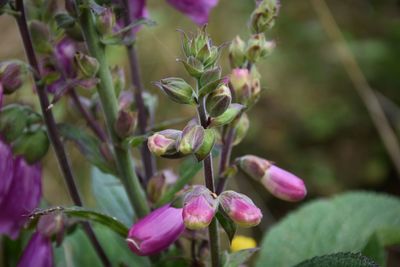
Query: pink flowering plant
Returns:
{"type": "Point", "coordinates": [169, 218]}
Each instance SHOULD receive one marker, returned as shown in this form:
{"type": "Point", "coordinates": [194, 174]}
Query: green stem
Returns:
{"type": "Point", "coordinates": [110, 108]}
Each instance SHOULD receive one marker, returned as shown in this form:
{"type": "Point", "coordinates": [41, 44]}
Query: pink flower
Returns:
{"type": "Point", "coordinates": [38, 252]}
{"type": "Point", "coordinates": [196, 10]}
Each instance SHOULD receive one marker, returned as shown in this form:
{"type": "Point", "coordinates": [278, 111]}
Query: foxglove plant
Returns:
{"type": "Point", "coordinates": [66, 52]}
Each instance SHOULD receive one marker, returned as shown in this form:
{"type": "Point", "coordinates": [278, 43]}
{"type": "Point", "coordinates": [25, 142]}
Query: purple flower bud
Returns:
{"type": "Point", "coordinates": [22, 197]}
{"type": "Point", "coordinates": [240, 208]}
{"type": "Point", "coordinates": [196, 10]}
{"type": "Point", "coordinates": [65, 52]}
{"type": "Point", "coordinates": [199, 208]}
{"type": "Point", "coordinates": [125, 124]}
{"type": "Point", "coordinates": [159, 183]}
{"type": "Point", "coordinates": [157, 231]}
{"type": "Point", "coordinates": [38, 252]}
{"type": "Point", "coordinates": [278, 182]}
{"type": "Point", "coordinates": [10, 77]}
{"type": "Point", "coordinates": [164, 142]}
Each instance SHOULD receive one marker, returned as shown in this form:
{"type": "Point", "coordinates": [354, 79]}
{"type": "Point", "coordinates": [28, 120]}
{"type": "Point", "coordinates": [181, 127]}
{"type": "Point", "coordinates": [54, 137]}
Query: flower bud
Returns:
{"type": "Point", "coordinates": [65, 52]}
{"type": "Point", "coordinates": [237, 56]}
{"type": "Point", "coordinates": [193, 66]}
{"type": "Point", "coordinates": [229, 115]}
{"type": "Point", "coordinates": [156, 232]}
{"type": "Point", "coordinates": [38, 252]}
{"type": "Point", "coordinates": [105, 21]}
{"type": "Point", "coordinates": [240, 128]}
{"type": "Point", "coordinates": [240, 208]}
{"type": "Point", "coordinates": [125, 124]}
{"type": "Point", "coordinates": [239, 78]}
{"type": "Point", "coordinates": [210, 76]}
{"type": "Point", "coordinates": [164, 143]}
{"type": "Point", "coordinates": [263, 17]}
{"type": "Point", "coordinates": [278, 182]}
{"type": "Point", "coordinates": [88, 66]}
{"type": "Point", "coordinates": [207, 145]}
{"type": "Point", "coordinates": [258, 48]}
{"type": "Point", "coordinates": [246, 86]}
{"type": "Point", "coordinates": [199, 208]}
{"type": "Point", "coordinates": [32, 145]}
{"type": "Point", "coordinates": [40, 36]}
{"type": "Point", "coordinates": [13, 120]}
{"type": "Point", "coordinates": [51, 224]}
{"type": "Point", "coordinates": [10, 77]}
{"type": "Point", "coordinates": [218, 101]}
{"type": "Point", "coordinates": [158, 184]}
{"type": "Point", "coordinates": [191, 139]}
{"type": "Point", "coordinates": [178, 90]}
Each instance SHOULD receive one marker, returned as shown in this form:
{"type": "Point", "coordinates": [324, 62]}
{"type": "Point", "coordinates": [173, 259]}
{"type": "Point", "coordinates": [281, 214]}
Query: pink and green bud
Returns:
{"type": "Point", "coordinates": [156, 232]}
{"type": "Point", "coordinates": [207, 145]}
{"type": "Point", "coordinates": [10, 77]}
{"type": "Point", "coordinates": [125, 124]}
{"type": "Point", "coordinates": [199, 208]}
{"type": "Point", "coordinates": [105, 21]}
{"type": "Point", "coordinates": [88, 66]}
{"type": "Point", "coordinates": [158, 184]}
{"type": "Point", "coordinates": [177, 89]}
{"type": "Point", "coordinates": [164, 143]}
{"type": "Point", "coordinates": [263, 17]}
{"type": "Point", "coordinates": [258, 48]}
{"type": "Point", "coordinates": [240, 128]}
{"type": "Point", "coordinates": [231, 113]}
{"type": "Point", "coordinates": [278, 182]}
{"type": "Point", "coordinates": [240, 208]}
{"type": "Point", "coordinates": [191, 139]}
{"type": "Point", "coordinates": [237, 55]}
{"type": "Point", "coordinates": [218, 101]}
{"type": "Point", "coordinates": [239, 78]}
{"type": "Point", "coordinates": [246, 86]}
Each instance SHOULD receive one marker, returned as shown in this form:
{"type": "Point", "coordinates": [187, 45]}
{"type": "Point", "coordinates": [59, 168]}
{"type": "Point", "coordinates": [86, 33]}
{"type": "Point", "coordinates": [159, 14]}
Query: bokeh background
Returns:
{"type": "Point", "coordinates": [310, 120]}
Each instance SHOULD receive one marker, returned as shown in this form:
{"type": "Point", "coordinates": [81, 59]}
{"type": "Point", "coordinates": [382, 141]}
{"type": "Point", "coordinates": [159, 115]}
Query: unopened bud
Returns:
{"type": "Point", "coordinates": [10, 77]}
{"type": "Point", "coordinates": [218, 101]}
{"type": "Point", "coordinates": [278, 182]}
{"type": "Point", "coordinates": [210, 76]}
{"type": "Point", "coordinates": [51, 224]}
{"type": "Point", "coordinates": [228, 116]}
{"type": "Point", "coordinates": [240, 208]}
{"type": "Point", "coordinates": [237, 56]}
{"type": "Point", "coordinates": [241, 128]}
{"type": "Point", "coordinates": [105, 21]}
{"type": "Point", "coordinates": [239, 78]}
{"type": "Point", "coordinates": [164, 143]}
{"type": "Point", "coordinates": [40, 36]}
{"type": "Point", "coordinates": [125, 124]}
{"type": "Point", "coordinates": [246, 86]}
{"type": "Point", "coordinates": [13, 120]}
{"type": "Point", "coordinates": [158, 184]}
{"type": "Point", "coordinates": [64, 52]}
{"type": "Point", "coordinates": [178, 90]}
{"type": "Point", "coordinates": [263, 17]}
{"type": "Point", "coordinates": [191, 139]}
{"type": "Point", "coordinates": [199, 208]}
{"type": "Point", "coordinates": [258, 48]}
{"type": "Point", "coordinates": [193, 66]}
{"type": "Point", "coordinates": [89, 66]}
{"type": "Point", "coordinates": [207, 145]}
{"type": "Point", "coordinates": [32, 145]}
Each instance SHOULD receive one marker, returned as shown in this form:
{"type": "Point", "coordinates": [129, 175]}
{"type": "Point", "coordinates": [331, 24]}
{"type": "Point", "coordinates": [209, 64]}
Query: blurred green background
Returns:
{"type": "Point", "coordinates": [310, 120]}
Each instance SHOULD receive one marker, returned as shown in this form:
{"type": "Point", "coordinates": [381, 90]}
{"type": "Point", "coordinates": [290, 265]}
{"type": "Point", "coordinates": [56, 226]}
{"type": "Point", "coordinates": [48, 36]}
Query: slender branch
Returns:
{"type": "Point", "coordinates": [359, 81]}
{"type": "Point", "coordinates": [225, 158]}
{"type": "Point", "coordinates": [209, 181]}
{"type": "Point", "coordinates": [52, 128]}
{"type": "Point", "coordinates": [109, 103]}
{"type": "Point", "coordinates": [91, 122]}
{"type": "Point", "coordinates": [147, 158]}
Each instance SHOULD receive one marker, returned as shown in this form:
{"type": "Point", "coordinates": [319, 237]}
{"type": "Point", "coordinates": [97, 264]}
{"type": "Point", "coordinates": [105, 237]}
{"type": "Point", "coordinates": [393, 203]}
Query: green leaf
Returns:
{"type": "Point", "coordinates": [341, 224]}
{"type": "Point", "coordinates": [227, 224]}
{"type": "Point", "coordinates": [88, 145]}
{"type": "Point", "coordinates": [339, 260]}
{"type": "Point", "coordinates": [111, 197]}
{"type": "Point", "coordinates": [236, 259]}
{"type": "Point", "coordinates": [76, 250]}
{"type": "Point", "coordinates": [87, 215]}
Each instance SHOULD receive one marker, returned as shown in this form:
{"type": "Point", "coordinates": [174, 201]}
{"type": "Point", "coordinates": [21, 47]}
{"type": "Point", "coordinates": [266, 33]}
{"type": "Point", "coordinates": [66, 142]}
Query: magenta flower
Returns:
{"type": "Point", "coordinates": [38, 252]}
{"type": "Point", "coordinates": [199, 208]}
{"type": "Point", "coordinates": [20, 191]}
{"type": "Point", "coordinates": [196, 10]}
{"type": "Point", "coordinates": [157, 231]}
{"type": "Point", "coordinates": [64, 54]}
{"type": "Point", "coordinates": [240, 208]}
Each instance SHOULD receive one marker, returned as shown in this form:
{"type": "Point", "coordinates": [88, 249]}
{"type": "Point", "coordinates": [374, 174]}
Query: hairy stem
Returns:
{"type": "Point", "coordinates": [109, 103]}
{"type": "Point", "coordinates": [52, 128]}
{"type": "Point", "coordinates": [147, 158]}
{"type": "Point", "coordinates": [209, 181]}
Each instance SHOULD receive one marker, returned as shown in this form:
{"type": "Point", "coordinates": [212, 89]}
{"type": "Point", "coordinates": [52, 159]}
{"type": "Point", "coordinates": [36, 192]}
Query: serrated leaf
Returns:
{"type": "Point", "coordinates": [339, 260]}
{"type": "Point", "coordinates": [87, 215]}
{"type": "Point", "coordinates": [88, 145]}
{"type": "Point", "coordinates": [111, 197]}
{"type": "Point", "coordinates": [322, 227]}
{"type": "Point", "coordinates": [227, 224]}
{"type": "Point", "coordinates": [236, 259]}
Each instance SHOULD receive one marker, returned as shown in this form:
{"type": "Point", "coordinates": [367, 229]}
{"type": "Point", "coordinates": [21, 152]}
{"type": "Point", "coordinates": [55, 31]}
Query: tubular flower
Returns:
{"type": "Point", "coordinates": [38, 252]}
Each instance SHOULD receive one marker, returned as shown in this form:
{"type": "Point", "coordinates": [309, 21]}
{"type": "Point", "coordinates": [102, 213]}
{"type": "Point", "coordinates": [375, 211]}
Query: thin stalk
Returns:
{"type": "Point", "coordinates": [147, 158]}
{"type": "Point", "coordinates": [209, 181]}
{"type": "Point", "coordinates": [52, 128]}
{"type": "Point", "coordinates": [109, 103]}
{"type": "Point", "coordinates": [91, 122]}
{"type": "Point", "coordinates": [225, 158]}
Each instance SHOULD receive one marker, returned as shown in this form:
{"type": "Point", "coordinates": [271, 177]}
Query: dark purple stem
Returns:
{"type": "Point", "coordinates": [225, 158]}
{"type": "Point", "coordinates": [147, 158]}
{"type": "Point", "coordinates": [52, 128]}
{"type": "Point", "coordinates": [88, 117]}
